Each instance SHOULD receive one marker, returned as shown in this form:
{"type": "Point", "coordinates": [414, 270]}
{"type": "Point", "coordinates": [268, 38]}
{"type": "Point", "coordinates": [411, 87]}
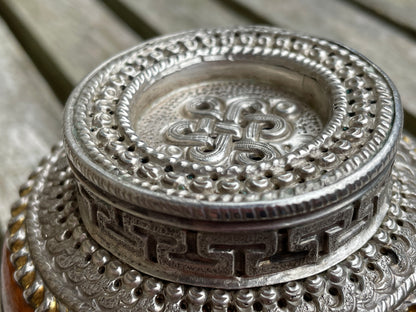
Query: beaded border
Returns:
{"type": "Point", "coordinates": [365, 281]}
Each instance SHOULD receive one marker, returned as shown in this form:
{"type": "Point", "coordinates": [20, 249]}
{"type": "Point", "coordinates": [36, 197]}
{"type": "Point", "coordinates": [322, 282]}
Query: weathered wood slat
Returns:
{"type": "Point", "coordinates": [394, 52]}
{"type": "Point", "coordinates": [167, 16]}
{"type": "Point", "coordinates": [30, 121]}
{"type": "Point", "coordinates": [78, 34]}
{"type": "Point", "coordinates": [400, 12]}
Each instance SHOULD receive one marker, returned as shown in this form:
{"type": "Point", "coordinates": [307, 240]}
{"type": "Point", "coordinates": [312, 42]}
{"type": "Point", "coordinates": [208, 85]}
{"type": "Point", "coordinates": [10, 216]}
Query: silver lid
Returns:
{"type": "Point", "coordinates": [233, 158]}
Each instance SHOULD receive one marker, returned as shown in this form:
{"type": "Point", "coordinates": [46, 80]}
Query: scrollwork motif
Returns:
{"type": "Point", "coordinates": [85, 277]}
{"type": "Point", "coordinates": [218, 130]}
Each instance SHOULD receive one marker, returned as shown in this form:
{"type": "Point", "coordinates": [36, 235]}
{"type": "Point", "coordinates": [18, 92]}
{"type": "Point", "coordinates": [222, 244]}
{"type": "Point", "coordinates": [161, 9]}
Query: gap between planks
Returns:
{"type": "Point", "coordinates": [44, 62]}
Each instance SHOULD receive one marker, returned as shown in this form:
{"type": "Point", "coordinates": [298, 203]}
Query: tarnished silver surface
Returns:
{"type": "Point", "coordinates": [244, 169]}
{"type": "Point", "coordinates": [73, 272]}
{"type": "Point", "coordinates": [233, 158]}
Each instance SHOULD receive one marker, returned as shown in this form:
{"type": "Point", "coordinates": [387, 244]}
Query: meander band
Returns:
{"type": "Point", "coordinates": [46, 240]}
{"type": "Point", "coordinates": [192, 170]}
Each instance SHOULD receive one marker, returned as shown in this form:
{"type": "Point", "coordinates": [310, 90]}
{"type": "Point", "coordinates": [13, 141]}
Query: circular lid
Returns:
{"type": "Point", "coordinates": [233, 124]}
{"type": "Point", "coordinates": [233, 158]}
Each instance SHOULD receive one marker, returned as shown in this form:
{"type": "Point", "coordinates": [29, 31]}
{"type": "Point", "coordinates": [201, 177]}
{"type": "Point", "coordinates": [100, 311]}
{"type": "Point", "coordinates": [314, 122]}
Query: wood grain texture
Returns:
{"type": "Point", "coordinates": [30, 121]}
{"type": "Point", "coordinates": [78, 34]}
{"type": "Point", "coordinates": [168, 16]}
{"type": "Point", "coordinates": [399, 12]}
{"type": "Point", "coordinates": [390, 49]}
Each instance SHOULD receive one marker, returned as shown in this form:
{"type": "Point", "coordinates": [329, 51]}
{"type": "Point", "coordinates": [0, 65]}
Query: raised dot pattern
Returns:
{"type": "Point", "coordinates": [362, 114]}
{"type": "Point", "coordinates": [74, 272]}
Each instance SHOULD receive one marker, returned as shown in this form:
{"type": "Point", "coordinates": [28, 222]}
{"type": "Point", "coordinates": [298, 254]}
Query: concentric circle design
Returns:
{"type": "Point", "coordinates": [233, 158]}
{"type": "Point", "coordinates": [354, 101]}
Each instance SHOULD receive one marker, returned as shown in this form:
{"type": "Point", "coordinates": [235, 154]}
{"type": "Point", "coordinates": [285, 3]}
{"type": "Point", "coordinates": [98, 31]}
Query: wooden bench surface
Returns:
{"type": "Point", "coordinates": [47, 46]}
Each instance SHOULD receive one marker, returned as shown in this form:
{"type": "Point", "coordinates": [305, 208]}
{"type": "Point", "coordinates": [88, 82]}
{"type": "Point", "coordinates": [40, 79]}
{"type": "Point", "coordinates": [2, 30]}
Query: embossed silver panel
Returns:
{"type": "Point", "coordinates": [242, 169]}
{"type": "Point", "coordinates": [73, 272]}
{"type": "Point", "coordinates": [233, 158]}
{"type": "Point", "coordinates": [243, 126]}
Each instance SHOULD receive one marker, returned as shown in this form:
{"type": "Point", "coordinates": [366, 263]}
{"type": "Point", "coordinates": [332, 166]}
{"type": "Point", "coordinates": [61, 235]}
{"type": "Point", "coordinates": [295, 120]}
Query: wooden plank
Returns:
{"type": "Point", "coordinates": [399, 12]}
{"type": "Point", "coordinates": [393, 51]}
{"type": "Point", "coordinates": [30, 121]}
{"type": "Point", "coordinates": [78, 34]}
{"type": "Point", "coordinates": [167, 16]}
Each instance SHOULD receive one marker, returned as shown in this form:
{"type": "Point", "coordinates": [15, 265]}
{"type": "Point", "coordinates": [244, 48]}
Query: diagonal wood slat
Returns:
{"type": "Point", "coordinates": [399, 12]}
{"type": "Point", "coordinates": [392, 50]}
{"type": "Point", "coordinates": [30, 122]}
{"type": "Point", "coordinates": [78, 34]}
{"type": "Point", "coordinates": [167, 16]}
{"type": "Point", "coordinates": [75, 36]}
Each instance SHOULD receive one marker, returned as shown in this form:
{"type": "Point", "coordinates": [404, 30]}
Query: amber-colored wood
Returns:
{"type": "Point", "coordinates": [11, 292]}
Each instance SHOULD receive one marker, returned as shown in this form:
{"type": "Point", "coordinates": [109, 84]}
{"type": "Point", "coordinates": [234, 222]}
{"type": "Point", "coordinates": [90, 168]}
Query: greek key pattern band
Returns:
{"type": "Point", "coordinates": [183, 255]}
{"type": "Point", "coordinates": [73, 272]}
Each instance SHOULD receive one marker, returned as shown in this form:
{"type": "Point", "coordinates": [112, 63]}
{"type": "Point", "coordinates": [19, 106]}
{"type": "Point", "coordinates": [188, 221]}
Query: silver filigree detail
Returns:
{"type": "Point", "coordinates": [84, 277]}
{"type": "Point", "coordinates": [240, 130]}
{"type": "Point", "coordinates": [358, 110]}
{"type": "Point", "coordinates": [289, 141]}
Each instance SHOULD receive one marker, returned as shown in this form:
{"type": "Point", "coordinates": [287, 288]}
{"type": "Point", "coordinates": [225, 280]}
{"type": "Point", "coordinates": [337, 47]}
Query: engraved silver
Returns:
{"type": "Point", "coordinates": [77, 274]}
{"type": "Point", "coordinates": [286, 142]}
{"type": "Point", "coordinates": [238, 169]}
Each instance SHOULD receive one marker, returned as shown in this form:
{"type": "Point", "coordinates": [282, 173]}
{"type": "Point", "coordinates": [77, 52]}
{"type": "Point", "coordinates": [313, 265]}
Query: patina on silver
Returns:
{"type": "Point", "coordinates": [233, 158]}
{"type": "Point", "coordinates": [243, 169]}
